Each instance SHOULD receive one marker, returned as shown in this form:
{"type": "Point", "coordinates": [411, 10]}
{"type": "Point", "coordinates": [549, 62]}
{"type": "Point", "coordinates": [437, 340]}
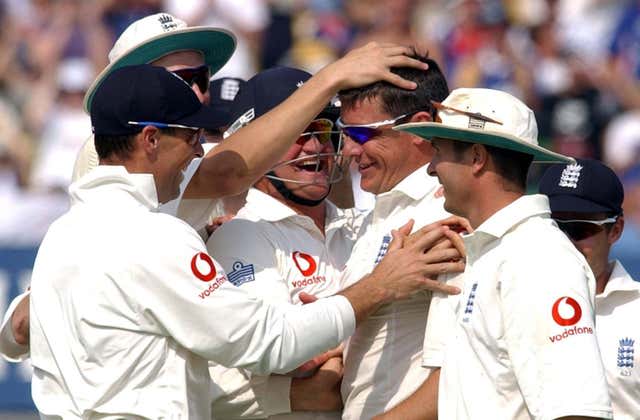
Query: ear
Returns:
{"type": "Point", "coordinates": [149, 138]}
{"type": "Point", "coordinates": [616, 230]}
{"type": "Point", "coordinates": [421, 116]}
{"type": "Point", "coordinates": [480, 158]}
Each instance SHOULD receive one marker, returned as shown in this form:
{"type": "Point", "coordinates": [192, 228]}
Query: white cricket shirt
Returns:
{"type": "Point", "coordinates": [383, 360]}
{"type": "Point", "coordinates": [617, 315]}
{"type": "Point", "coordinates": [127, 306]}
{"type": "Point", "coordinates": [287, 254]}
{"type": "Point", "coordinates": [524, 345]}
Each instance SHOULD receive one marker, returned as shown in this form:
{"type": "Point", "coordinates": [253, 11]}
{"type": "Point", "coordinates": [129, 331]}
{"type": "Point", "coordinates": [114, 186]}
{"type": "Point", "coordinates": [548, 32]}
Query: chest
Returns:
{"type": "Point", "coordinates": [619, 339]}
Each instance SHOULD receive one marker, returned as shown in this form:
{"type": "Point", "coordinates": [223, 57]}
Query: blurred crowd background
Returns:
{"type": "Point", "coordinates": [575, 62]}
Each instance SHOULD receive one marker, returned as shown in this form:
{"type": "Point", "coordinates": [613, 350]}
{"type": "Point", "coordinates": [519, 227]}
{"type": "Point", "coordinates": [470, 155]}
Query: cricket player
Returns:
{"type": "Point", "coordinates": [524, 343]}
{"type": "Point", "coordinates": [586, 201]}
{"type": "Point", "coordinates": [301, 242]}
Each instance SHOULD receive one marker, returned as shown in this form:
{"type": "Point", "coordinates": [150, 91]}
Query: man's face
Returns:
{"type": "Point", "coordinates": [382, 160]}
{"type": "Point", "coordinates": [175, 151]}
{"type": "Point", "coordinates": [310, 172]}
{"type": "Point", "coordinates": [192, 60]}
{"type": "Point", "coordinates": [593, 241]}
{"type": "Point", "coordinates": [454, 175]}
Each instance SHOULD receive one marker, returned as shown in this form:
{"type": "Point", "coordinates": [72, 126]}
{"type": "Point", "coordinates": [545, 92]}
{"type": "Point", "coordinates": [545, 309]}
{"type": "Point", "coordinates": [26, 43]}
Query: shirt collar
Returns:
{"type": "Point", "coordinates": [515, 213]}
{"type": "Point", "coordinates": [111, 178]}
{"type": "Point", "coordinates": [619, 281]}
{"type": "Point", "coordinates": [271, 209]}
{"type": "Point", "coordinates": [416, 185]}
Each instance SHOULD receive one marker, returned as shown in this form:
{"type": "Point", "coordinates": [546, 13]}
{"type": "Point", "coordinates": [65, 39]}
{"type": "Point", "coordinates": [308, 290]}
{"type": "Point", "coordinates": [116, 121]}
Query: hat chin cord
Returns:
{"type": "Point", "coordinates": [289, 195]}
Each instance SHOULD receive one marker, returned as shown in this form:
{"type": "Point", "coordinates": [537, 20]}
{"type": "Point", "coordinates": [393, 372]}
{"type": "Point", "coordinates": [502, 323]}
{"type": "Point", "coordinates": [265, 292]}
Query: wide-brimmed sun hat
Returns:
{"type": "Point", "coordinates": [489, 117]}
{"type": "Point", "coordinates": [155, 36]}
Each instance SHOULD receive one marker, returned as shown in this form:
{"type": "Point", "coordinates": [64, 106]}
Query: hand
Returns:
{"type": "Point", "coordinates": [320, 392]}
{"type": "Point", "coordinates": [405, 270]}
{"type": "Point", "coordinates": [307, 368]}
{"type": "Point", "coordinates": [372, 63]}
{"type": "Point", "coordinates": [455, 223]}
{"type": "Point", "coordinates": [20, 322]}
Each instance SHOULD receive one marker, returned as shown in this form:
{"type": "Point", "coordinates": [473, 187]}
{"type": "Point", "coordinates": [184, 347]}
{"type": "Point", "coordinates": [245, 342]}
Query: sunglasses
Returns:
{"type": "Point", "coordinates": [583, 229]}
{"type": "Point", "coordinates": [191, 141]}
{"type": "Point", "coordinates": [362, 133]}
{"type": "Point", "coordinates": [198, 75]}
{"type": "Point", "coordinates": [321, 129]}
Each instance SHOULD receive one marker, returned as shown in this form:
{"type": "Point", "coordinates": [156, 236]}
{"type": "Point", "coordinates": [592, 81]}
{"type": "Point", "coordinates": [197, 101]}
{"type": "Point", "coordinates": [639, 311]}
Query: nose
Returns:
{"type": "Point", "coordinates": [350, 148]}
{"type": "Point", "coordinates": [431, 169]}
{"type": "Point", "coordinates": [198, 150]}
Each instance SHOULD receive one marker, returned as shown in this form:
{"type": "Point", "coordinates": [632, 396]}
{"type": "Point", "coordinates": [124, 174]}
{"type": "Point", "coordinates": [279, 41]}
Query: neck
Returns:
{"type": "Point", "coordinates": [316, 213]}
{"type": "Point", "coordinates": [489, 204]}
{"type": "Point", "coordinates": [603, 278]}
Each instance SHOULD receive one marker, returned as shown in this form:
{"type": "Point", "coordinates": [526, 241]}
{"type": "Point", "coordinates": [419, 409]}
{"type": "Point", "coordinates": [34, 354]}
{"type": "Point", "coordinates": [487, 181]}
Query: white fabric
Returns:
{"type": "Point", "coordinates": [508, 355]}
{"type": "Point", "coordinates": [383, 360]}
{"type": "Point", "coordinates": [617, 313]}
{"type": "Point", "coordinates": [195, 212]}
{"type": "Point", "coordinates": [281, 245]}
{"type": "Point", "coordinates": [9, 349]}
{"type": "Point", "coordinates": [126, 306]}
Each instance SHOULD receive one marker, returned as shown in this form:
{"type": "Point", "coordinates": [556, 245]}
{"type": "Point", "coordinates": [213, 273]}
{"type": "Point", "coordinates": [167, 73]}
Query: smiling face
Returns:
{"type": "Point", "coordinates": [175, 150]}
{"type": "Point", "coordinates": [454, 172]}
{"type": "Point", "coordinates": [308, 175]}
{"type": "Point", "coordinates": [388, 157]}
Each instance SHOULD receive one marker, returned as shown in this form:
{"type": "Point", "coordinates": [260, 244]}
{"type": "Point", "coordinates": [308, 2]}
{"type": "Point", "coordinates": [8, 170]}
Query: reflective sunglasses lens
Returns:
{"type": "Point", "coordinates": [579, 230]}
{"type": "Point", "coordinates": [320, 129]}
{"type": "Point", "coordinates": [360, 135]}
{"type": "Point", "coordinates": [198, 75]}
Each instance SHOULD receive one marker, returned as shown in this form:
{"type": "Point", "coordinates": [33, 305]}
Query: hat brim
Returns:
{"type": "Point", "coordinates": [429, 130]}
{"type": "Point", "coordinates": [217, 46]}
{"type": "Point", "coordinates": [569, 203]}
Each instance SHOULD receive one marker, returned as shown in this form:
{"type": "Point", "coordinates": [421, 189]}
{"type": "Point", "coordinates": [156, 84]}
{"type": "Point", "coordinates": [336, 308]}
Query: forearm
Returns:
{"type": "Point", "coordinates": [366, 297]}
{"type": "Point", "coordinates": [421, 405]}
{"type": "Point", "coordinates": [239, 161]}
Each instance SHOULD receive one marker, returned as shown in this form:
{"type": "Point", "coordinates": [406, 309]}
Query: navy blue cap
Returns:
{"type": "Point", "coordinates": [223, 91]}
{"type": "Point", "coordinates": [263, 92]}
{"type": "Point", "coordinates": [588, 186]}
{"type": "Point", "coordinates": [150, 94]}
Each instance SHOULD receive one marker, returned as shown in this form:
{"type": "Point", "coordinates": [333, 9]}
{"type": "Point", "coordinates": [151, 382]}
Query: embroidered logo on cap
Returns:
{"type": "Point", "coordinates": [229, 89]}
{"type": "Point", "coordinates": [625, 356]}
{"type": "Point", "coordinates": [167, 22]}
{"type": "Point", "coordinates": [241, 273]}
{"type": "Point", "coordinates": [300, 83]}
{"type": "Point", "coordinates": [205, 275]}
{"type": "Point", "coordinates": [570, 176]}
{"type": "Point", "coordinates": [307, 261]}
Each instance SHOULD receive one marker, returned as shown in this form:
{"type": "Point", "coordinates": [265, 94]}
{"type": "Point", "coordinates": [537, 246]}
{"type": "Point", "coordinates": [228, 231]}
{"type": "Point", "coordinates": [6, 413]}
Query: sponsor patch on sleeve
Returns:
{"type": "Point", "coordinates": [242, 273]}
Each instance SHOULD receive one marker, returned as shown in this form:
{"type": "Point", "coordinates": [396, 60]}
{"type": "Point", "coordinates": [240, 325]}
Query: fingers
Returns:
{"type": "Point", "coordinates": [397, 240]}
{"type": "Point", "coordinates": [441, 255]}
{"type": "Point", "coordinates": [457, 224]}
{"type": "Point", "coordinates": [407, 227]}
{"type": "Point", "coordinates": [427, 238]}
{"type": "Point", "coordinates": [436, 286]}
{"type": "Point", "coordinates": [457, 242]}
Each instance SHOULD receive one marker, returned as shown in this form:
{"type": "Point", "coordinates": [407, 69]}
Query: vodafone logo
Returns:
{"type": "Point", "coordinates": [568, 314]}
{"type": "Point", "coordinates": [202, 267]}
{"type": "Point", "coordinates": [305, 263]}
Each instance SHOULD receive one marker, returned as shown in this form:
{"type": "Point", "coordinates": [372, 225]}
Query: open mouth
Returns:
{"type": "Point", "coordinates": [312, 165]}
